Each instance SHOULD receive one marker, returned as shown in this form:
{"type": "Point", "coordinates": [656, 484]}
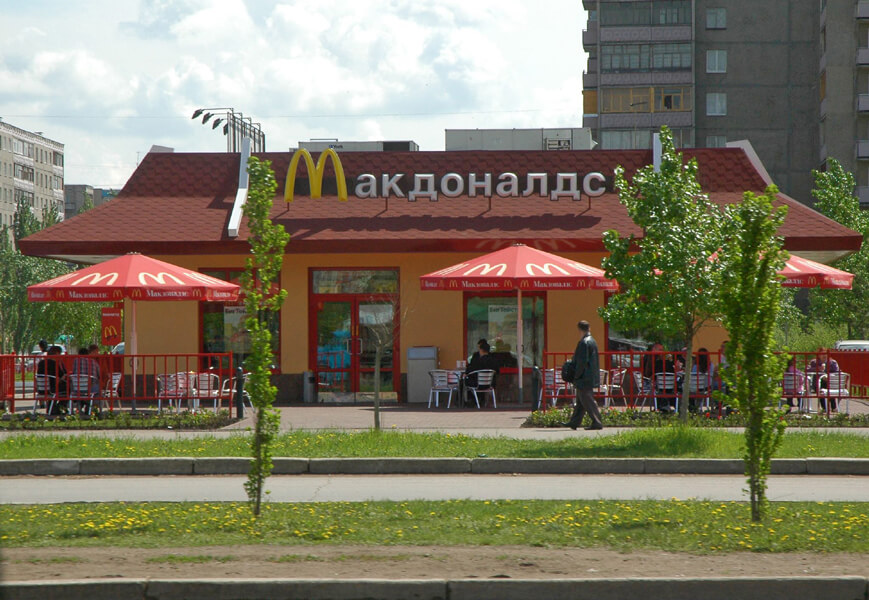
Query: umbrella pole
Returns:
{"type": "Point", "coordinates": [133, 348]}
{"type": "Point", "coordinates": [519, 350]}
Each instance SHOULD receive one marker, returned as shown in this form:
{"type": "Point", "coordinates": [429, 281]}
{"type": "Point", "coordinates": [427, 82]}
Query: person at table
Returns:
{"type": "Point", "coordinates": [481, 360]}
{"type": "Point", "coordinates": [105, 363]}
{"type": "Point", "coordinates": [830, 366]}
{"type": "Point", "coordinates": [54, 370]}
{"type": "Point", "coordinates": [704, 370]}
{"type": "Point", "coordinates": [83, 364]}
{"type": "Point", "coordinates": [817, 367]}
{"type": "Point", "coordinates": [799, 379]}
{"type": "Point", "coordinates": [476, 354]}
{"type": "Point", "coordinates": [657, 362]}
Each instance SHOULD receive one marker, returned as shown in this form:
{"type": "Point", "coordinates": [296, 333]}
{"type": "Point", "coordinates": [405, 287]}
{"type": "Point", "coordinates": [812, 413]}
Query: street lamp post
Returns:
{"type": "Point", "coordinates": [236, 127]}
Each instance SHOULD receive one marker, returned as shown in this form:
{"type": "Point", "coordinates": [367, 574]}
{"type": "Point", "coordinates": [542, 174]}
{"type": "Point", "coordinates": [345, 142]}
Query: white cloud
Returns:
{"type": "Point", "coordinates": [366, 69]}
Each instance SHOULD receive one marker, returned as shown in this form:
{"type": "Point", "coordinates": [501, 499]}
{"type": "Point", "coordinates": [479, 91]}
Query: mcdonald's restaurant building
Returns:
{"type": "Point", "coordinates": [352, 266]}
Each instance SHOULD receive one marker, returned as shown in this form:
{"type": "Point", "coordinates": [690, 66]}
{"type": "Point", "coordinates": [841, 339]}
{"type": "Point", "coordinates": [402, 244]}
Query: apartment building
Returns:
{"type": "Point", "coordinates": [77, 195]}
{"type": "Point", "coordinates": [31, 168]}
{"type": "Point", "coordinates": [714, 71]}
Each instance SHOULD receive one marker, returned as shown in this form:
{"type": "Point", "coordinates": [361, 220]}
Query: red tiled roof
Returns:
{"type": "Point", "coordinates": [178, 203]}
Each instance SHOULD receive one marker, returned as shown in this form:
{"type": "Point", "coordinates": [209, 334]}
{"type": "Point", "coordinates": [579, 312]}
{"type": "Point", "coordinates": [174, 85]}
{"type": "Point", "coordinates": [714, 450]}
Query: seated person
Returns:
{"type": "Point", "coordinates": [54, 370]}
{"type": "Point", "coordinates": [705, 369]}
{"type": "Point", "coordinates": [480, 361]}
{"type": "Point", "coordinates": [800, 382]}
{"type": "Point", "coordinates": [657, 362]}
{"type": "Point", "coordinates": [830, 366]}
{"type": "Point", "coordinates": [84, 365]}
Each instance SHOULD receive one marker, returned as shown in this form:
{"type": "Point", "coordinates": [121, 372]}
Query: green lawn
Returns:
{"type": "Point", "coordinates": [675, 526]}
{"type": "Point", "coordinates": [673, 442]}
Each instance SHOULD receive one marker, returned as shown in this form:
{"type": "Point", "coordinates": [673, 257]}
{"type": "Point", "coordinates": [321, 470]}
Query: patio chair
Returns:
{"type": "Point", "coordinates": [112, 393]}
{"type": "Point", "coordinates": [604, 387]}
{"type": "Point", "coordinates": [207, 388]}
{"type": "Point", "coordinates": [80, 389]}
{"type": "Point", "coordinates": [553, 386]}
{"type": "Point", "coordinates": [485, 384]}
{"type": "Point", "coordinates": [838, 388]}
{"type": "Point", "coordinates": [665, 389]}
{"type": "Point", "coordinates": [642, 389]}
{"type": "Point", "coordinates": [794, 385]}
{"type": "Point", "coordinates": [44, 387]}
{"type": "Point", "coordinates": [616, 380]}
{"type": "Point", "coordinates": [440, 384]}
{"type": "Point", "coordinates": [699, 386]}
{"type": "Point", "coordinates": [227, 391]}
{"type": "Point", "coordinates": [172, 387]}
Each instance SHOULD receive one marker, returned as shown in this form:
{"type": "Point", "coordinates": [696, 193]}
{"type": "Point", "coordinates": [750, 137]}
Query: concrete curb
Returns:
{"type": "Point", "coordinates": [783, 588]}
{"type": "Point", "coordinates": [426, 466]}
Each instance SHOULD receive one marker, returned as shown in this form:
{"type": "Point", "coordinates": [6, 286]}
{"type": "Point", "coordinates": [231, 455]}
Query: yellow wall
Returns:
{"type": "Point", "coordinates": [430, 318]}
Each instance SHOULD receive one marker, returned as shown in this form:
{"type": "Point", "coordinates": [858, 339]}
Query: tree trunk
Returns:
{"type": "Point", "coordinates": [377, 354]}
{"type": "Point", "coordinates": [686, 377]}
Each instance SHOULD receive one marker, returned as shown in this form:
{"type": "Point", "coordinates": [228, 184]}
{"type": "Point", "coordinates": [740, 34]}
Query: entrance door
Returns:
{"type": "Point", "coordinates": [354, 333]}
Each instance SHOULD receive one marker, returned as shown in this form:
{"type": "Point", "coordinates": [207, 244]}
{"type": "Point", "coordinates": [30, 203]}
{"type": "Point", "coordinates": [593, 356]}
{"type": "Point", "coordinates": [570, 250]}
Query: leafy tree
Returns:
{"type": "Point", "coordinates": [23, 322]}
{"type": "Point", "coordinates": [751, 291]}
{"type": "Point", "coordinates": [267, 243]}
{"type": "Point", "coordinates": [791, 320]}
{"type": "Point", "coordinates": [669, 286]}
{"type": "Point", "coordinates": [834, 192]}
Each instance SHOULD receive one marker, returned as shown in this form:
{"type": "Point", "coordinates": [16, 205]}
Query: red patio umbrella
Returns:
{"type": "Point", "coordinates": [518, 268]}
{"type": "Point", "coordinates": [136, 277]}
{"type": "Point", "coordinates": [802, 272]}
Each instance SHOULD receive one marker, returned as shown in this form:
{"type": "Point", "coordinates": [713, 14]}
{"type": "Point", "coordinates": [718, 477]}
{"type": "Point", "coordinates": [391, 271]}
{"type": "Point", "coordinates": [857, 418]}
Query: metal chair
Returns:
{"type": "Point", "coordinates": [553, 386]}
{"type": "Point", "coordinates": [440, 384]}
{"type": "Point", "coordinates": [111, 392]}
{"type": "Point", "coordinates": [793, 385]}
{"type": "Point", "coordinates": [699, 385]}
{"type": "Point", "coordinates": [838, 387]}
{"type": "Point", "coordinates": [81, 388]}
{"type": "Point", "coordinates": [173, 387]}
{"type": "Point", "coordinates": [642, 388]}
{"type": "Point", "coordinates": [485, 384]}
{"type": "Point", "coordinates": [227, 391]}
{"type": "Point", "coordinates": [665, 389]}
{"type": "Point", "coordinates": [208, 388]}
{"type": "Point", "coordinates": [616, 380]}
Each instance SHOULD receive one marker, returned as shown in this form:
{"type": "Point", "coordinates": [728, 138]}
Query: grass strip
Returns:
{"type": "Point", "coordinates": [683, 526]}
{"type": "Point", "coordinates": [666, 442]}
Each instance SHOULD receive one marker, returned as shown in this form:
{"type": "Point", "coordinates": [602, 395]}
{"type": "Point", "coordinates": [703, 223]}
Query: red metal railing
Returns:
{"type": "Point", "coordinates": [628, 378]}
{"type": "Point", "coordinates": [142, 381]}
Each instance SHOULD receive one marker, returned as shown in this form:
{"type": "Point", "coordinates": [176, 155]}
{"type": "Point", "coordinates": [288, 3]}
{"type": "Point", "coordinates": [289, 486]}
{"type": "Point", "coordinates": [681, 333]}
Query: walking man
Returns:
{"type": "Point", "coordinates": [587, 377]}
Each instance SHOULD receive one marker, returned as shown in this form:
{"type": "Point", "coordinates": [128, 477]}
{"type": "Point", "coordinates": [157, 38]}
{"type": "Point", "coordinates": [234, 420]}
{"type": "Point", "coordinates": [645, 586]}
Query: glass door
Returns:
{"type": "Point", "coordinates": [355, 334]}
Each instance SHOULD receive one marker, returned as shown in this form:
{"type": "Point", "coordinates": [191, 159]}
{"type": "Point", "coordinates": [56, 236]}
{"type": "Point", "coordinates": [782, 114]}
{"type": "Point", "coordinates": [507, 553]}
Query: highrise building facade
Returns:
{"type": "Point", "coordinates": [31, 168]}
{"type": "Point", "coordinates": [714, 71]}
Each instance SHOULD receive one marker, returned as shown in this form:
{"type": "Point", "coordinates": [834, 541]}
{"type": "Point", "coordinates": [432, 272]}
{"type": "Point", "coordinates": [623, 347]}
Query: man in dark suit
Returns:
{"type": "Point", "coordinates": [587, 377]}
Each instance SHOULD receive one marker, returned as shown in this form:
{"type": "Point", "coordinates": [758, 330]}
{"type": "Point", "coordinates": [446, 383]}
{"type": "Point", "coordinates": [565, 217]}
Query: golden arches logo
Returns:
{"type": "Point", "coordinates": [315, 173]}
{"type": "Point", "coordinates": [117, 294]}
{"type": "Point", "coordinates": [524, 283]}
{"type": "Point", "coordinates": [136, 294]}
{"type": "Point", "coordinates": [197, 293]}
{"type": "Point", "coordinates": [110, 331]}
{"type": "Point", "coordinates": [59, 294]}
{"type": "Point", "coordinates": [454, 284]}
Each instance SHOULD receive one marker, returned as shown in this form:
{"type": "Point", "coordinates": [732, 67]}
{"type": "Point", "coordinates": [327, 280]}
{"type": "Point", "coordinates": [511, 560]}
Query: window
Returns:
{"type": "Point", "coordinates": [223, 328]}
{"type": "Point", "coordinates": [671, 12]}
{"type": "Point", "coordinates": [494, 318]}
{"type": "Point", "coordinates": [624, 58]}
{"type": "Point", "coordinates": [716, 18]}
{"type": "Point", "coordinates": [626, 139]}
{"type": "Point", "coordinates": [625, 13]}
{"type": "Point", "coordinates": [673, 99]}
{"type": "Point", "coordinates": [623, 100]}
{"type": "Point", "coordinates": [716, 104]}
{"type": "Point", "coordinates": [57, 159]}
{"type": "Point", "coordinates": [672, 57]}
{"type": "Point", "coordinates": [716, 61]}
{"type": "Point", "coordinates": [23, 172]}
{"type": "Point", "coordinates": [716, 141]}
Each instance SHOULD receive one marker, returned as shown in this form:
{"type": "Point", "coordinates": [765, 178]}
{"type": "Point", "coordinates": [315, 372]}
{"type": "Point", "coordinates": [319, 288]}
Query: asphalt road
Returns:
{"type": "Point", "coordinates": [323, 488]}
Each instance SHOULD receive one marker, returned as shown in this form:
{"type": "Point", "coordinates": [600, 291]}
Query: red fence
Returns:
{"type": "Point", "coordinates": [633, 378]}
{"type": "Point", "coordinates": [141, 382]}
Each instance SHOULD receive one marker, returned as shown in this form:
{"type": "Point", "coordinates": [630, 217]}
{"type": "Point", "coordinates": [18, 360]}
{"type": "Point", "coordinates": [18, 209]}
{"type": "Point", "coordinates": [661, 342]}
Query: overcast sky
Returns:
{"type": "Point", "coordinates": [110, 78]}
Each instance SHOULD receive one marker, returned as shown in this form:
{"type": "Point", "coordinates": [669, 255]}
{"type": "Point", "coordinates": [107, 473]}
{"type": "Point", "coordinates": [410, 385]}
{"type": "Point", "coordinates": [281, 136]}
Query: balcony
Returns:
{"type": "Point", "coordinates": [589, 81]}
{"type": "Point", "coordinates": [862, 103]}
{"type": "Point", "coordinates": [590, 36]}
{"type": "Point", "coordinates": [863, 57]}
{"type": "Point", "coordinates": [863, 9]}
{"type": "Point", "coordinates": [862, 149]}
